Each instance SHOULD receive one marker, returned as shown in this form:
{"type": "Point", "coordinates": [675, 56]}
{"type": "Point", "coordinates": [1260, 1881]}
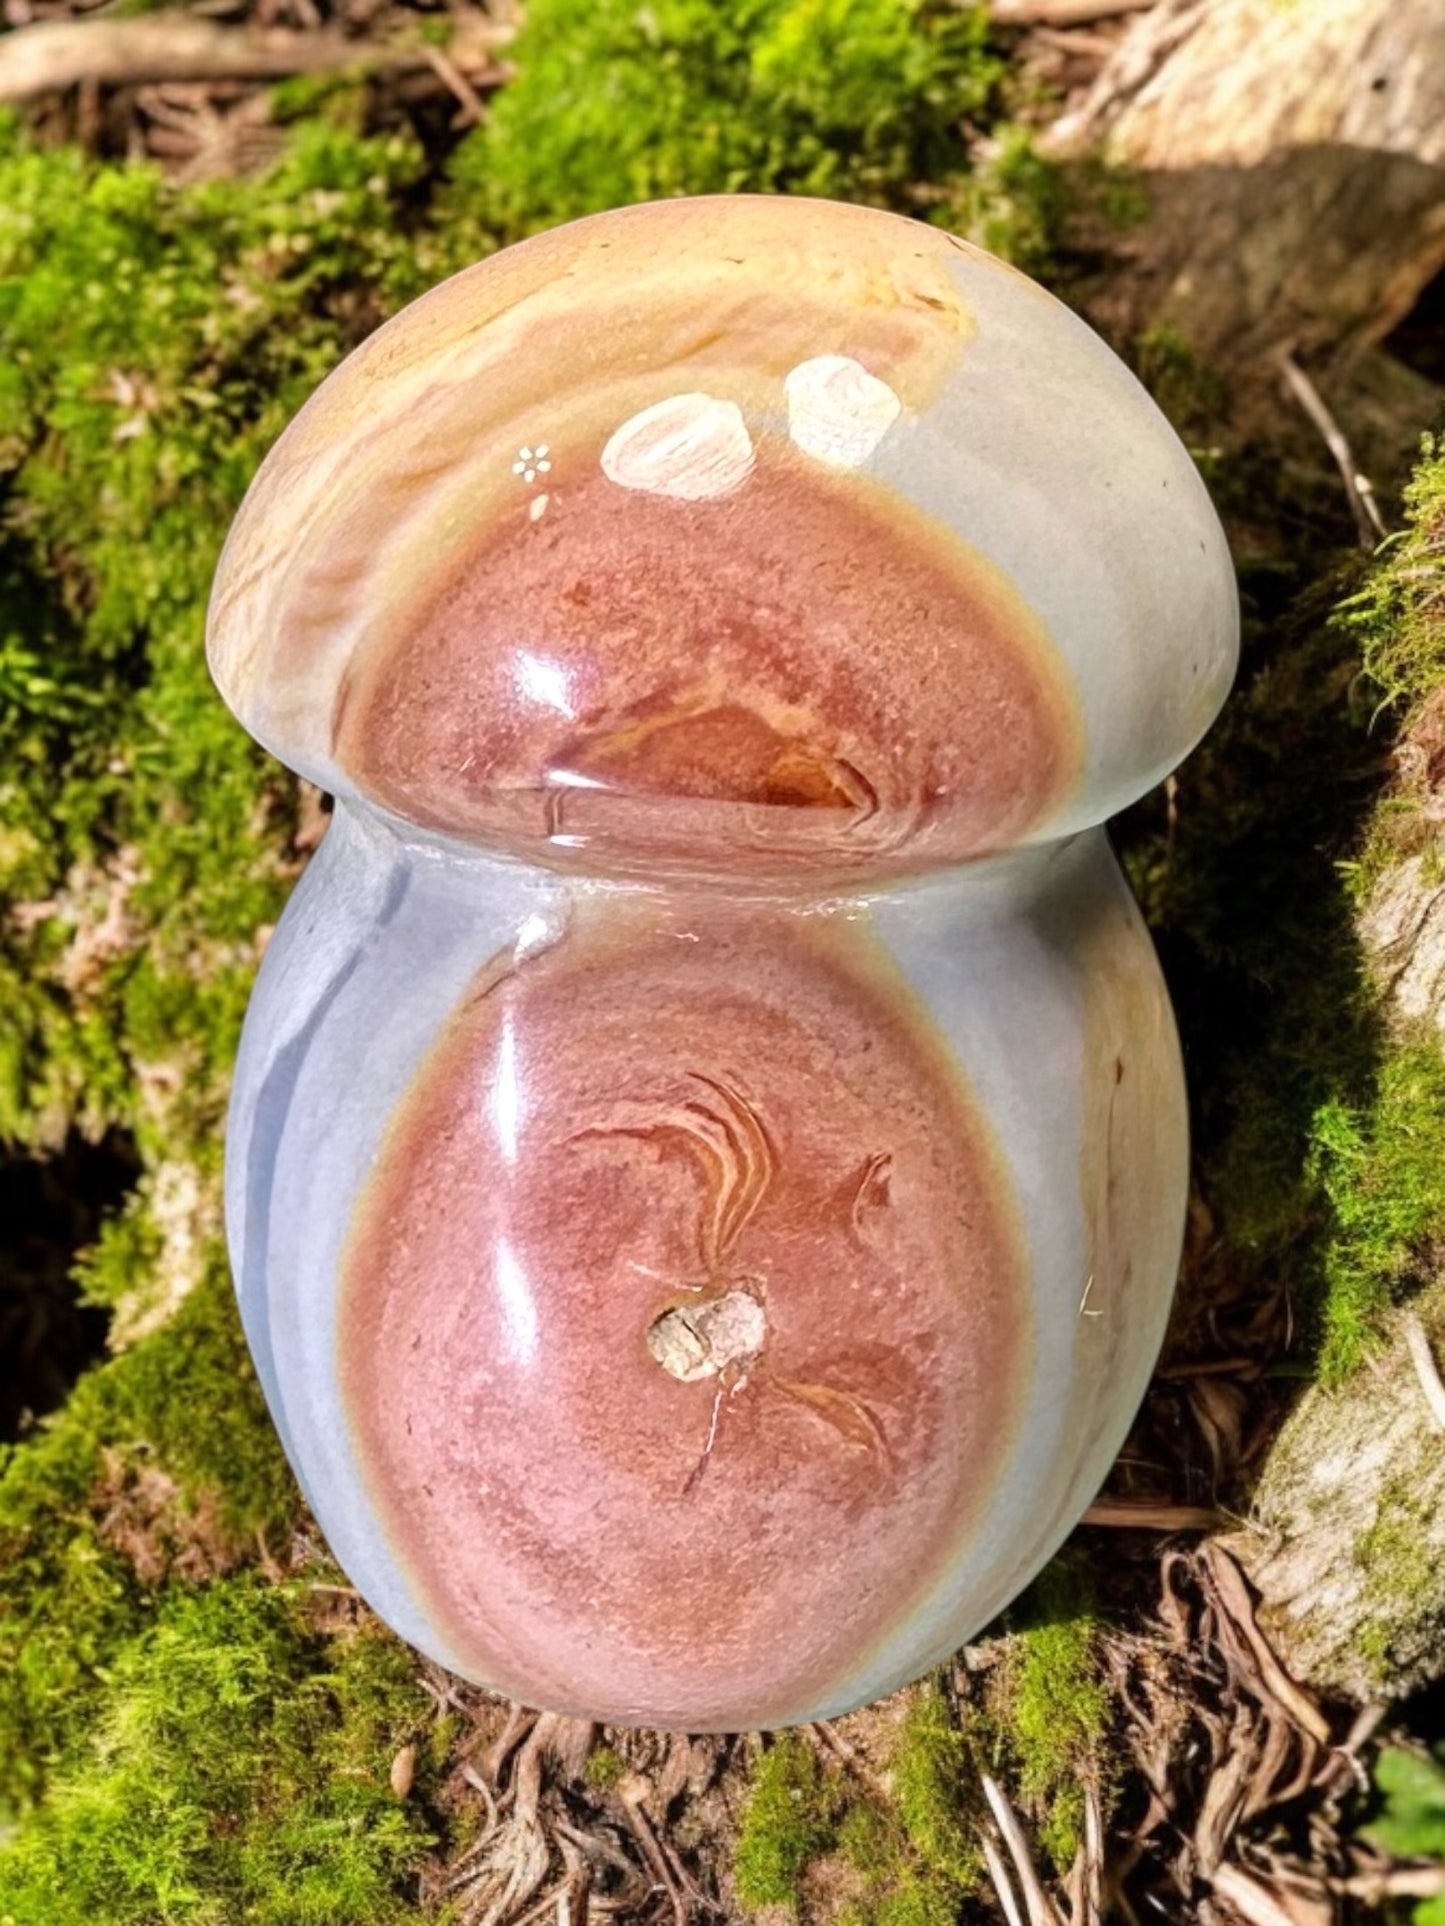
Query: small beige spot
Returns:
{"type": "Point", "coordinates": [700, 1340]}
{"type": "Point", "coordinates": [403, 1771]}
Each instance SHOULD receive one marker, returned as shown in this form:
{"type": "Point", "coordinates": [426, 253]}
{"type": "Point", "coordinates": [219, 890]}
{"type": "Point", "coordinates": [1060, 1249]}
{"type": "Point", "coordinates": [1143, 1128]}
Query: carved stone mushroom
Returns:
{"type": "Point", "coordinates": [707, 1163]}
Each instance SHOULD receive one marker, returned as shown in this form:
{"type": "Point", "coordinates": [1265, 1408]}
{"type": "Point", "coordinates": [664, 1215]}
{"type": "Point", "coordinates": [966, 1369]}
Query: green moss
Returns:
{"type": "Point", "coordinates": [915, 1860]}
{"type": "Point", "coordinates": [1319, 1120]}
{"type": "Point", "coordinates": [1240, 870]}
{"type": "Point", "coordinates": [153, 341]}
{"type": "Point", "coordinates": [183, 1403]}
{"type": "Point", "coordinates": [1398, 613]}
{"type": "Point", "coordinates": [1191, 394]}
{"type": "Point", "coordinates": [240, 1771]}
{"type": "Point", "coordinates": [1042, 1725]}
{"type": "Point", "coordinates": [1401, 1581]}
{"type": "Point", "coordinates": [604, 1768]}
{"type": "Point", "coordinates": [188, 1746]}
{"type": "Point", "coordinates": [1117, 195]}
{"type": "Point", "coordinates": [932, 1776]}
{"type": "Point", "coordinates": [1397, 622]}
{"type": "Point", "coordinates": [789, 1821]}
{"type": "Point", "coordinates": [1381, 1166]}
{"type": "Point", "coordinates": [339, 98]}
{"type": "Point", "coordinates": [1380, 1162]}
{"type": "Point", "coordinates": [857, 99]}
{"type": "Point", "coordinates": [1059, 1706]}
{"type": "Point", "coordinates": [1397, 1564]}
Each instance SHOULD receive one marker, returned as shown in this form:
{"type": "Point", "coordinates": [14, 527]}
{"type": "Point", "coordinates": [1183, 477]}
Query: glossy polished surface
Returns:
{"type": "Point", "coordinates": [707, 1162]}
{"type": "Point", "coordinates": [714, 507]}
{"type": "Point", "coordinates": [693, 1115]}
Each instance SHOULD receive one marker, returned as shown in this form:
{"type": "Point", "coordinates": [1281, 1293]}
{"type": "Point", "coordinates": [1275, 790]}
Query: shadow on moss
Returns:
{"type": "Point", "coordinates": [1239, 864]}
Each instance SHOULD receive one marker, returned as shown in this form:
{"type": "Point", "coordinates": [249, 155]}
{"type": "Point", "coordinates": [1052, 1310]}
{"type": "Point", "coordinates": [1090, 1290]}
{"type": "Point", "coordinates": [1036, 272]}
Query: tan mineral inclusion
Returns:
{"type": "Point", "coordinates": [707, 1162]}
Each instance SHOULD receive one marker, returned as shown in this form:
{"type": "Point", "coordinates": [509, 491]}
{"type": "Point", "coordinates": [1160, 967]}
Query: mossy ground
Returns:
{"type": "Point", "coordinates": [897, 1843]}
{"type": "Point", "coordinates": [184, 1733]}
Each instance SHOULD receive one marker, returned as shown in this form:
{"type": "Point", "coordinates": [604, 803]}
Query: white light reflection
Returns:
{"type": "Point", "coordinates": [535, 934]}
{"type": "Point", "coordinates": [543, 681]}
{"type": "Point", "coordinates": [837, 411]}
{"type": "Point", "coordinates": [506, 1098]}
{"type": "Point", "coordinates": [519, 1313]}
{"type": "Point", "coordinates": [694, 447]}
{"type": "Point", "coordinates": [573, 779]}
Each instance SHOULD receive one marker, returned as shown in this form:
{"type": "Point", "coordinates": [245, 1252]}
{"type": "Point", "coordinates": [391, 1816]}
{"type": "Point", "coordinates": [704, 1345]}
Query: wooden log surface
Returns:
{"type": "Point", "coordinates": [1293, 152]}
{"type": "Point", "coordinates": [52, 55]}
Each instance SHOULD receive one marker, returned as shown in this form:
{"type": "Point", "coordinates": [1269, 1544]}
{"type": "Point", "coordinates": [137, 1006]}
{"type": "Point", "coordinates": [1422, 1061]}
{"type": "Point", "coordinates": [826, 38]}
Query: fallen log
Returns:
{"type": "Point", "coordinates": [53, 55]}
{"type": "Point", "coordinates": [1347, 1542]}
{"type": "Point", "coordinates": [1294, 162]}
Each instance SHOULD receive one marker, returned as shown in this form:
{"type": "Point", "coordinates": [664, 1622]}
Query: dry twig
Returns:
{"type": "Point", "coordinates": [1426, 1369]}
{"type": "Point", "coordinates": [1062, 13]}
{"type": "Point", "coordinates": [52, 55]}
{"type": "Point", "coordinates": [1369, 523]}
{"type": "Point", "coordinates": [1041, 1910]}
{"type": "Point", "coordinates": [1233, 1596]}
{"type": "Point", "coordinates": [1126, 1515]}
{"type": "Point", "coordinates": [1267, 1903]}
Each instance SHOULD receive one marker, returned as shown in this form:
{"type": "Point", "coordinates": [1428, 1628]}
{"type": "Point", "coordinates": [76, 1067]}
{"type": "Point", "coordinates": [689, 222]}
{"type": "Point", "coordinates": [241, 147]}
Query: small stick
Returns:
{"type": "Point", "coordinates": [478, 1784]}
{"type": "Point", "coordinates": [1211, 1368]}
{"type": "Point", "coordinates": [1250, 1899]}
{"type": "Point", "coordinates": [1142, 1517]}
{"type": "Point", "coordinates": [1367, 1722]}
{"type": "Point", "coordinates": [51, 55]}
{"type": "Point", "coordinates": [1426, 1369]}
{"type": "Point", "coordinates": [1368, 522]}
{"type": "Point", "coordinates": [1061, 13]}
{"type": "Point", "coordinates": [520, 1720]}
{"type": "Point", "coordinates": [1394, 1882]}
{"type": "Point", "coordinates": [452, 77]}
{"type": "Point", "coordinates": [1092, 1910]}
{"type": "Point", "coordinates": [552, 1900]}
{"type": "Point", "coordinates": [1002, 1884]}
{"type": "Point", "coordinates": [850, 1758]}
{"type": "Point", "coordinates": [1233, 1596]}
{"type": "Point", "coordinates": [1042, 1911]}
{"type": "Point", "coordinates": [1086, 46]}
{"type": "Point", "coordinates": [632, 1792]}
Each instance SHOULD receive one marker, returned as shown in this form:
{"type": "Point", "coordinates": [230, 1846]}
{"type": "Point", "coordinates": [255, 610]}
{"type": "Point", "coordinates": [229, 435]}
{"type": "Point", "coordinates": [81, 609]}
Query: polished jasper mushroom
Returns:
{"type": "Point", "coordinates": [707, 1164]}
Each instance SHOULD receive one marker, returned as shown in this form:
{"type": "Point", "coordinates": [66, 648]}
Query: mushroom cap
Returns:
{"type": "Point", "coordinates": [734, 535]}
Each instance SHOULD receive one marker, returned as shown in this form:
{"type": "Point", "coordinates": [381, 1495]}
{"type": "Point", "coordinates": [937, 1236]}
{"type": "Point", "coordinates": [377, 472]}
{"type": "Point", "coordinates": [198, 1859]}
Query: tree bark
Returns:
{"type": "Point", "coordinates": [1347, 1541]}
{"type": "Point", "coordinates": [1293, 152]}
